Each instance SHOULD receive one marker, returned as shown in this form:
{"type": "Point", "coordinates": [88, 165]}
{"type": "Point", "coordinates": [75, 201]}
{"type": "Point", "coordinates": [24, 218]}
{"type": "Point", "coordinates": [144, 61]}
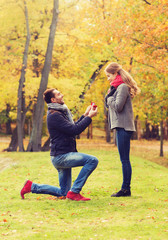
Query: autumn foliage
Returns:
{"type": "Point", "coordinates": [89, 34]}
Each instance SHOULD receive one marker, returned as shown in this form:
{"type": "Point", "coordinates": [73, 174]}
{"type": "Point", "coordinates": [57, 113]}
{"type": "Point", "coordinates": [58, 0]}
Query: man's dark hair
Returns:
{"type": "Point", "coordinates": [48, 94]}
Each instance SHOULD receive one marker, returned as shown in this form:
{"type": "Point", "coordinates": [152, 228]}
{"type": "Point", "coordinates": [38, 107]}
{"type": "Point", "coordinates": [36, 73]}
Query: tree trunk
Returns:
{"type": "Point", "coordinates": [147, 130]}
{"type": "Point", "coordinates": [35, 139]}
{"type": "Point", "coordinates": [21, 94]}
{"type": "Point", "coordinates": [14, 142]}
{"type": "Point", "coordinates": [106, 126]}
{"type": "Point", "coordinates": [137, 134]}
{"type": "Point", "coordinates": [114, 137]}
{"type": "Point", "coordinates": [46, 146]}
{"type": "Point", "coordinates": [161, 138]}
{"type": "Point", "coordinates": [8, 123]}
{"type": "Point", "coordinates": [91, 80]}
{"type": "Point", "coordinates": [161, 133]}
{"type": "Point", "coordinates": [88, 132]}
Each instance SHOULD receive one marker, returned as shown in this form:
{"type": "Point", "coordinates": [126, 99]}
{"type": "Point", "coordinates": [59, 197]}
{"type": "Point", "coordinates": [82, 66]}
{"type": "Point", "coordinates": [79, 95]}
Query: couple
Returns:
{"type": "Point", "coordinates": [62, 130]}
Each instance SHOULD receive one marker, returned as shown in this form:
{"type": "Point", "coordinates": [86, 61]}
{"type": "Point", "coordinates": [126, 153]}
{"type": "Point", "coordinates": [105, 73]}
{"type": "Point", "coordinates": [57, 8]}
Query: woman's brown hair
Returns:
{"type": "Point", "coordinates": [114, 68]}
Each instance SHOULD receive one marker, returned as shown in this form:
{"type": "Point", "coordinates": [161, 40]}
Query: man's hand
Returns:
{"type": "Point", "coordinates": [93, 112]}
{"type": "Point", "coordinates": [87, 110]}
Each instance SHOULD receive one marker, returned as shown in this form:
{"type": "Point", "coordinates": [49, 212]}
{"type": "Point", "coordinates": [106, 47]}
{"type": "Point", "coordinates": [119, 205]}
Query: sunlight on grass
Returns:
{"type": "Point", "coordinates": [142, 216]}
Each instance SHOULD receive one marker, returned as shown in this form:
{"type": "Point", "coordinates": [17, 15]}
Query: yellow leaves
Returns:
{"type": "Point", "coordinates": [87, 33]}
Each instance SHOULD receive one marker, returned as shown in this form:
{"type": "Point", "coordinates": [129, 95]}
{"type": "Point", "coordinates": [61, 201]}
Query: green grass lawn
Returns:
{"type": "Point", "coordinates": [142, 216]}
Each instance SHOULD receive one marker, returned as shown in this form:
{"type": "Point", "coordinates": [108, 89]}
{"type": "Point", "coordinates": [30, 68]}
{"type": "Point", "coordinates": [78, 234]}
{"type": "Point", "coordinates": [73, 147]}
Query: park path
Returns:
{"type": "Point", "coordinates": [143, 146]}
{"type": "Point", "coordinates": [4, 163]}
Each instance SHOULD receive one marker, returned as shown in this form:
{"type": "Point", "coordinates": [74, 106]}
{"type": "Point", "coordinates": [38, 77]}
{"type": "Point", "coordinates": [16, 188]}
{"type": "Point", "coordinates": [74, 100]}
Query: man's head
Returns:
{"type": "Point", "coordinates": [53, 96]}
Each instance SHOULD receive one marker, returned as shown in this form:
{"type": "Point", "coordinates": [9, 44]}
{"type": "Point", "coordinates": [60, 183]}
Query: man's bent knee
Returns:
{"type": "Point", "coordinates": [94, 162]}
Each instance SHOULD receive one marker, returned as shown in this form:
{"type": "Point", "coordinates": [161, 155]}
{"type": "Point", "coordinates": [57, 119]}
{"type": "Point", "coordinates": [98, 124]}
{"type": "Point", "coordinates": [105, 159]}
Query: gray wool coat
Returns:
{"type": "Point", "coordinates": [120, 109]}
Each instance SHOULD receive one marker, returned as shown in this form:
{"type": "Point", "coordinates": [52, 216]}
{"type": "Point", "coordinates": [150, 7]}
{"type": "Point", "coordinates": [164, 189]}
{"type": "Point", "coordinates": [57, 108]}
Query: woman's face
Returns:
{"type": "Point", "coordinates": [110, 76]}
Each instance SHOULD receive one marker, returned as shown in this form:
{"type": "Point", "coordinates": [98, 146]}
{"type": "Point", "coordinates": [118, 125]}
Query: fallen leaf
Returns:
{"type": "Point", "coordinates": [74, 214]}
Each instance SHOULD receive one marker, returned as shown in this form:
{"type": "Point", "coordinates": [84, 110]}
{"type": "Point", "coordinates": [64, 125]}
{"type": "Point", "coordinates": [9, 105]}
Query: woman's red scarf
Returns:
{"type": "Point", "coordinates": [117, 81]}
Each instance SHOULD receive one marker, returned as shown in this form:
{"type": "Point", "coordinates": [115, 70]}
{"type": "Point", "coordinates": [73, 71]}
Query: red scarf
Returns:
{"type": "Point", "coordinates": [117, 81]}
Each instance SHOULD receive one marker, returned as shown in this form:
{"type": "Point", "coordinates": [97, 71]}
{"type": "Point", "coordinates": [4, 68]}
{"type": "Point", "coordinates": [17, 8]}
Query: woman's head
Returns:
{"type": "Point", "coordinates": [115, 69]}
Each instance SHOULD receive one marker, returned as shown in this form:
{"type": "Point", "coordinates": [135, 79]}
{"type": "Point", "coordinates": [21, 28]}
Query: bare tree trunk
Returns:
{"type": "Point", "coordinates": [91, 80]}
{"type": "Point", "coordinates": [91, 131]}
{"type": "Point", "coordinates": [161, 138]}
{"type": "Point", "coordinates": [14, 142]}
{"type": "Point", "coordinates": [114, 137]}
{"type": "Point", "coordinates": [161, 134]}
{"type": "Point", "coordinates": [14, 139]}
{"type": "Point", "coordinates": [106, 126]}
{"type": "Point", "coordinates": [35, 139]}
{"type": "Point", "coordinates": [8, 123]}
{"type": "Point", "coordinates": [21, 94]}
{"type": "Point", "coordinates": [17, 135]}
{"type": "Point", "coordinates": [46, 146]}
{"type": "Point", "coordinates": [88, 132]}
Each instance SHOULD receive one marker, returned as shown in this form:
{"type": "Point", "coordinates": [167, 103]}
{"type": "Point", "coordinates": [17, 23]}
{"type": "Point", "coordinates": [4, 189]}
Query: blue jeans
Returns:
{"type": "Point", "coordinates": [123, 145]}
{"type": "Point", "coordinates": [63, 163]}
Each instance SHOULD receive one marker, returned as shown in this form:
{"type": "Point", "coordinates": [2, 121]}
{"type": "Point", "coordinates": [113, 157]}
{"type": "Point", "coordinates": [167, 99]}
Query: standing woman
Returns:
{"type": "Point", "coordinates": [118, 100]}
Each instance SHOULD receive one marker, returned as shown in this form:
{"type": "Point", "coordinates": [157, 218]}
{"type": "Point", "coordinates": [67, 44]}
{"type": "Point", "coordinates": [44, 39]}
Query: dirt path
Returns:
{"type": "Point", "coordinates": [142, 144]}
{"type": "Point", "coordinates": [147, 149]}
{"type": "Point", "coordinates": [4, 163]}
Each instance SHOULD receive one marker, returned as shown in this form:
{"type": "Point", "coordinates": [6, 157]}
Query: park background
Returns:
{"type": "Point", "coordinates": [66, 45]}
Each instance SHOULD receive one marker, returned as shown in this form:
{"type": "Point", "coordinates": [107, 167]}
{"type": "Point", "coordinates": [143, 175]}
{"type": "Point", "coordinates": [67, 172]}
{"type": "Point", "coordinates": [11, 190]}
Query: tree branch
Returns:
{"type": "Point", "coordinates": [151, 45]}
{"type": "Point", "coordinates": [145, 64]}
{"type": "Point", "coordinates": [147, 2]}
{"type": "Point", "coordinates": [91, 80]}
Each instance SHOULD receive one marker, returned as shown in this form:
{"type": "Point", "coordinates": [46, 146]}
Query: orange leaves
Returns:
{"type": "Point", "coordinates": [4, 219]}
{"type": "Point", "coordinates": [74, 214]}
{"type": "Point", "coordinates": [56, 198]}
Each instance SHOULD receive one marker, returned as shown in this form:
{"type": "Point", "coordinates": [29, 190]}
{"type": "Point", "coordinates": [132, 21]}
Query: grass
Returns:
{"type": "Point", "coordinates": [142, 216]}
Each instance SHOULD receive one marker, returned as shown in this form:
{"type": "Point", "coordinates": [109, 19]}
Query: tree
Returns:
{"type": "Point", "coordinates": [21, 111]}
{"type": "Point", "coordinates": [88, 33]}
{"type": "Point", "coordinates": [35, 139]}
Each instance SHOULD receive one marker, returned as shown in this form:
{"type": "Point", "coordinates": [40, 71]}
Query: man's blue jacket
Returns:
{"type": "Point", "coordinates": [62, 132]}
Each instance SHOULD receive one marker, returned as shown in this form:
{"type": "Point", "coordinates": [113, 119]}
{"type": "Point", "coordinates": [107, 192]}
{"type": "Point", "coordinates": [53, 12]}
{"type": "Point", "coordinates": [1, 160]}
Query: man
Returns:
{"type": "Point", "coordinates": [64, 155]}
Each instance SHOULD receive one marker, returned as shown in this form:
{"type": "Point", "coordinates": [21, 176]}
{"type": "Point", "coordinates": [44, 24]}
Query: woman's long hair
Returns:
{"type": "Point", "coordinates": [114, 68]}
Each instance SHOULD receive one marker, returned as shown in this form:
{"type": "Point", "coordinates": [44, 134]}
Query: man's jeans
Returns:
{"type": "Point", "coordinates": [63, 163]}
{"type": "Point", "coordinates": [123, 144]}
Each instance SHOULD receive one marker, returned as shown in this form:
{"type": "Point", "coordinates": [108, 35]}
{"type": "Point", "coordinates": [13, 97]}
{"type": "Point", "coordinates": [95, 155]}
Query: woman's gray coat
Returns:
{"type": "Point", "coordinates": [120, 109]}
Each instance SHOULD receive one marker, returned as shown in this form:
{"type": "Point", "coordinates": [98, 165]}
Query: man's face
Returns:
{"type": "Point", "coordinates": [58, 97]}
